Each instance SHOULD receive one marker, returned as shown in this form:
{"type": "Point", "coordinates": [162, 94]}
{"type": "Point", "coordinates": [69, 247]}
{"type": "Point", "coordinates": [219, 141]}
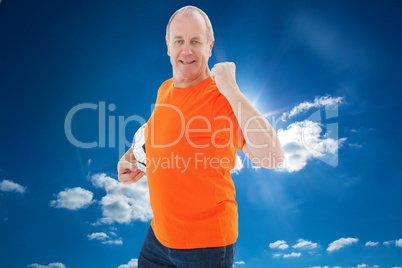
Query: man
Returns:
{"type": "Point", "coordinates": [200, 119]}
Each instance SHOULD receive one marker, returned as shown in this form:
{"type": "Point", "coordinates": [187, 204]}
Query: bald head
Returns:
{"type": "Point", "coordinates": [191, 11]}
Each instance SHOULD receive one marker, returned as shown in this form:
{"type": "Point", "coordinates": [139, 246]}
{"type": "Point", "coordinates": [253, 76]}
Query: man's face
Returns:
{"type": "Point", "coordinates": [188, 48]}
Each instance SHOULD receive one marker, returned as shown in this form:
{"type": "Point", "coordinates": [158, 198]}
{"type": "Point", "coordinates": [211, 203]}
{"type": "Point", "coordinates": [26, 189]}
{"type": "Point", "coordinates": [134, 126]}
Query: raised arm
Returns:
{"type": "Point", "coordinates": [126, 169]}
{"type": "Point", "coordinates": [261, 142]}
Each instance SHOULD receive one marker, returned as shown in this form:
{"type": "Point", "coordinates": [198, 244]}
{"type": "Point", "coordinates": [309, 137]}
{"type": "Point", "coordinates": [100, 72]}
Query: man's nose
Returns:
{"type": "Point", "coordinates": [186, 49]}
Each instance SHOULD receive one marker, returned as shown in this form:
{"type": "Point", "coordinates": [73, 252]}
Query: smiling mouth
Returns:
{"type": "Point", "coordinates": [187, 62]}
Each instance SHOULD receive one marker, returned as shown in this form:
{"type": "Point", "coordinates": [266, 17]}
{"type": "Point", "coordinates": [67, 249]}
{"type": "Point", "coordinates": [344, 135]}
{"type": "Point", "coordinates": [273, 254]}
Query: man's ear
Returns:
{"type": "Point", "coordinates": [210, 47]}
{"type": "Point", "coordinates": [168, 51]}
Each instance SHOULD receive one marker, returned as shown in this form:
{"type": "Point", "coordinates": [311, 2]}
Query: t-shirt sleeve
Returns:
{"type": "Point", "coordinates": [226, 127]}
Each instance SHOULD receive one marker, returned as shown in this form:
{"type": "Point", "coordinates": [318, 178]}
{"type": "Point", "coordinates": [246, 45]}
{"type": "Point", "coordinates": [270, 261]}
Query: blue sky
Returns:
{"type": "Point", "coordinates": [327, 74]}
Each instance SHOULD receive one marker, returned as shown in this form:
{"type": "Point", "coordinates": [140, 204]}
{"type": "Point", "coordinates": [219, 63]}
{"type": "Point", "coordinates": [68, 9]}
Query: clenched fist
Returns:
{"type": "Point", "coordinates": [128, 173]}
{"type": "Point", "coordinates": [224, 75]}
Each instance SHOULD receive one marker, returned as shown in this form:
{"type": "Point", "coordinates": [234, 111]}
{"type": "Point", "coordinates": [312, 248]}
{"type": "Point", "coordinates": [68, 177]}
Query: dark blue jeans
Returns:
{"type": "Point", "coordinates": [155, 255]}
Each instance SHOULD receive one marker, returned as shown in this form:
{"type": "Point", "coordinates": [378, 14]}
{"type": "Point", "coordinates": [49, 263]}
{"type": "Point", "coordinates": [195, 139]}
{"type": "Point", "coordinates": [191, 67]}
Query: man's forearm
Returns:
{"type": "Point", "coordinates": [129, 156]}
{"type": "Point", "coordinates": [259, 135]}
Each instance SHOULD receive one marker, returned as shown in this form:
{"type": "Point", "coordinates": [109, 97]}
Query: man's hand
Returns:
{"type": "Point", "coordinates": [224, 75]}
{"type": "Point", "coordinates": [128, 173]}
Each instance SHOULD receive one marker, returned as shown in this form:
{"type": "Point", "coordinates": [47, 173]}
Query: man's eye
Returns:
{"type": "Point", "coordinates": [178, 41]}
{"type": "Point", "coordinates": [196, 42]}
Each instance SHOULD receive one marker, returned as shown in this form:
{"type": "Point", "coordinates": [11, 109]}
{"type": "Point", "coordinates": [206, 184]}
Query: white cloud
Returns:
{"type": "Point", "coordinates": [371, 244]}
{"type": "Point", "coordinates": [239, 262]}
{"type": "Point", "coordinates": [51, 265]}
{"type": "Point", "coordinates": [113, 242]}
{"type": "Point", "coordinates": [74, 198]}
{"type": "Point", "coordinates": [98, 236]}
{"type": "Point", "coordinates": [340, 243]}
{"type": "Point", "coordinates": [238, 165]}
{"type": "Point", "coordinates": [133, 263]}
{"type": "Point", "coordinates": [292, 255]}
{"type": "Point", "coordinates": [305, 244]}
{"type": "Point", "coordinates": [123, 203]}
{"type": "Point", "coordinates": [318, 103]}
{"type": "Point", "coordinates": [398, 243]}
{"type": "Point", "coordinates": [362, 265]}
{"type": "Point", "coordinates": [302, 141]}
{"type": "Point", "coordinates": [355, 145]}
{"type": "Point", "coordinates": [281, 244]}
{"type": "Point", "coordinates": [387, 243]}
{"type": "Point", "coordinates": [113, 233]}
{"type": "Point", "coordinates": [10, 186]}
{"type": "Point", "coordinates": [106, 240]}
{"type": "Point", "coordinates": [314, 253]}
{"type": "Point", "coordinates": [322, 267]}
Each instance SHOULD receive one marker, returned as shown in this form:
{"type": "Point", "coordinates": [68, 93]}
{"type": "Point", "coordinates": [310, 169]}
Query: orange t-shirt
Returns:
{"type": "Point", "coordinates": [191, 141]}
